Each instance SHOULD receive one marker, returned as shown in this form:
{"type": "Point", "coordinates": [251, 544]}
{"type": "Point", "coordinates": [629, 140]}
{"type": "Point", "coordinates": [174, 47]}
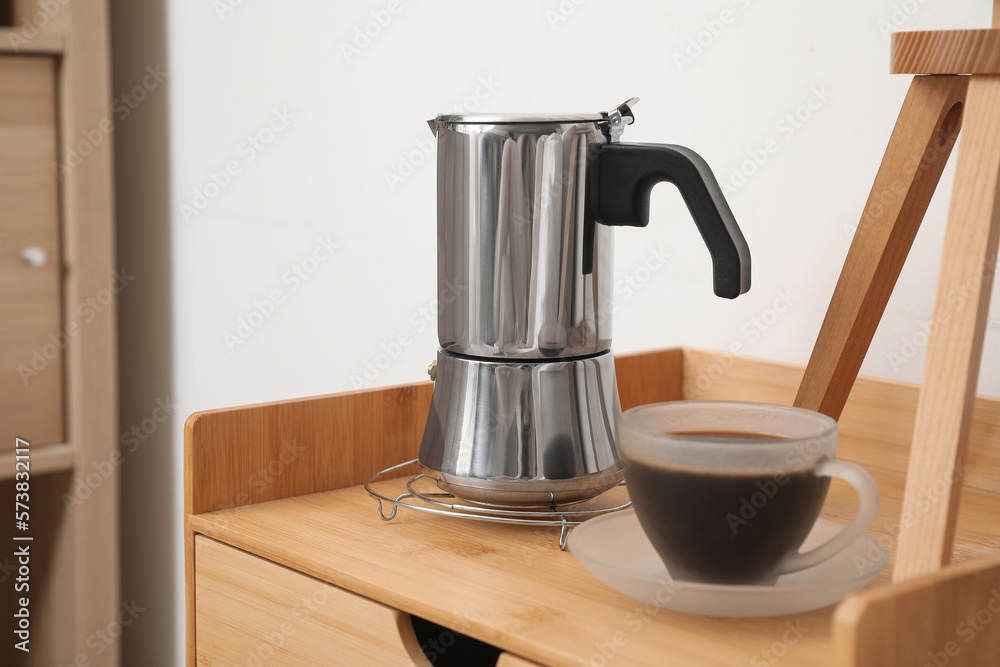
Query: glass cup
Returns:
{"type": "Point", "coordinates": [727, 491]}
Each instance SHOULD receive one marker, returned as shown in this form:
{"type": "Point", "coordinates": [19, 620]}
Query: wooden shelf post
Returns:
{"type": "Point", "coordinates": [936, 107]}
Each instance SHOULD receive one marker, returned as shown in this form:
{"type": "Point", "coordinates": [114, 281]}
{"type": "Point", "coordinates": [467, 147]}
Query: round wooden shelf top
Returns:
{"type": "Point", "coordinates": [945, 52]}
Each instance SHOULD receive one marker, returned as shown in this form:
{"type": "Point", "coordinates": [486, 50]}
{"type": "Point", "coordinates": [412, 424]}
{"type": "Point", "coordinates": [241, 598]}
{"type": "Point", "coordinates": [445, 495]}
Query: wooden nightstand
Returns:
{"type": "Point", "coordinates": [288, 562]}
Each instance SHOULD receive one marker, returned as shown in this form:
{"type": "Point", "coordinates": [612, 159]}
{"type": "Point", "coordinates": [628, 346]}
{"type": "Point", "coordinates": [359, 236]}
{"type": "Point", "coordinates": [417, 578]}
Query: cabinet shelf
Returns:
{"type": "Point", "coordinates": [14, 40]}
{"type": "Point", "coordinates": [45, 459]}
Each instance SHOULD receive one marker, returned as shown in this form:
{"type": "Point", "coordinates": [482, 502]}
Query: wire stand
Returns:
{"type": "Point", "coordinates": [437, 502]}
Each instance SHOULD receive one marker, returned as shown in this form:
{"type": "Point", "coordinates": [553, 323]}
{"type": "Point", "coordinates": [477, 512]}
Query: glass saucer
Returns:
{"type": "Point", "coordinates": [615, 549]}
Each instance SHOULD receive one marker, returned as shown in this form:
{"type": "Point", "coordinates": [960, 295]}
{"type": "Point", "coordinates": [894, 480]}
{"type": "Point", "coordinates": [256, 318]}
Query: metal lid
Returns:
{"type": "Point", "coordinates": [612, 122]}
{"type": "Point", "coordinates": [492, 118]}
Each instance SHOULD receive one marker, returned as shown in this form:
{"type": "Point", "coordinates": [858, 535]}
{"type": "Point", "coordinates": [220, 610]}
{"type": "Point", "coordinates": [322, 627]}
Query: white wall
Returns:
{"type": "Point", "coordinates": [237, 66]}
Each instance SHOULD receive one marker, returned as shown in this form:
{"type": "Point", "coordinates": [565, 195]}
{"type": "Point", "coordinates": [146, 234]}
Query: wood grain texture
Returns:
{"type": "Point", "coordinates": [253, 454]}
{"type": "Point", "coordinates": [510, 660]}
{"type": "Point", "coordinates": [954, 351]}
{"type": "Point", "coordinates": [89, 263]}
{"type": "Point", "coordinates": [944, 618]}
{"type": "Point", "coordinates": [918, 150]}
{"type": "Point", "coordinates": [649, 377]}
{"type": "Point", "coordinates": [31, 363]}
{"type": "Point", "coordinates": [512, 587]}
{"type": "Point", "coordinates": [945, 52]}
{"type": "Point", "coordinates": [251, 611]}
{"type": "Point", "coordinates": [241, 456]}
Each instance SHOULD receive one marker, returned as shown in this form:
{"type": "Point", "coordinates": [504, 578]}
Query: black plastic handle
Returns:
{"type": "Point", "coordinates": [622, 176]}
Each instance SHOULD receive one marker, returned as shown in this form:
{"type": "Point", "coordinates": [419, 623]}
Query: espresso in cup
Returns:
{"type": "Point", "coordinates": [724, 526]}
{"type": "Point", "coordinates": [727, 492]}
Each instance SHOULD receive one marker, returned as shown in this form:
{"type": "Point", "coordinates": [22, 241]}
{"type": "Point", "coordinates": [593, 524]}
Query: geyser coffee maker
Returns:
{"type": "Point", "coordinates": [525, 398]}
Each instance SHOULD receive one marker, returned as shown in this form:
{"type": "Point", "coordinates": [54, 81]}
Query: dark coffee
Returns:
{"type": "Point", "coordinates": [723, 526]}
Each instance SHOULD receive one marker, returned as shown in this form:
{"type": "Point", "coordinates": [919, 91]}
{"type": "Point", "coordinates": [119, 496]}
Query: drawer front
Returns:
{"type": "Point", "coordinates": [250, 611]}
{"type": "Point", "coordinates": [32, 338]}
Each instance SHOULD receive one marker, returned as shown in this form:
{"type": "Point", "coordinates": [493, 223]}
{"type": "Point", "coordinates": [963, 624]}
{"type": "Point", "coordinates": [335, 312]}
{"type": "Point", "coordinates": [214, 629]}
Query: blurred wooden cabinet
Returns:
{"type": "Point", "coordinates": [31, 330]}
{"type": "Point", "coordinates": [58, 365]}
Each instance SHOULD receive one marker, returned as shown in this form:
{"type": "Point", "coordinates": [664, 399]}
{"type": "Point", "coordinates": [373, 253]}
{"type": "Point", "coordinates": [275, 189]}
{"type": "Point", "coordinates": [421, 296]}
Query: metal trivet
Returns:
{"type": "Point", "coordinates": [436, 502]}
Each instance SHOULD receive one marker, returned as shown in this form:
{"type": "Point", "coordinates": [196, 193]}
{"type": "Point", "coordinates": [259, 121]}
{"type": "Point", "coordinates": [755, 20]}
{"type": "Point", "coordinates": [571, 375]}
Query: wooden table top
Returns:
{"type": "Point", "coordinates": [512, 587]}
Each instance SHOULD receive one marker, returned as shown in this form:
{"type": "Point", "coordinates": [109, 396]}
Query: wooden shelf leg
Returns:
{"type": "Point", "coordinates": [919, 147]}
{"type": "Point", "coordinates": [954, 352]}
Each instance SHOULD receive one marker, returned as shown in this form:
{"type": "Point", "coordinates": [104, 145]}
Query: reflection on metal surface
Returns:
{"type": "Point", "coordinates": [524, 433]}
{"type": "Point", "coordinates": [514, 243]}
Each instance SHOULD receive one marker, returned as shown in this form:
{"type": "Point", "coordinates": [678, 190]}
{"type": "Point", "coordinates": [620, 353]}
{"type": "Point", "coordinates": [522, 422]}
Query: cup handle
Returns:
{"type": "Point", "coordinates": [867, 492]}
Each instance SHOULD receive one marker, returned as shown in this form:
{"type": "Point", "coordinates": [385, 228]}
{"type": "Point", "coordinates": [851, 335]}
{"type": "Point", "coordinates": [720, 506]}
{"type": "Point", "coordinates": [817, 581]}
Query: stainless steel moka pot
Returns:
{"type": "Point", "coordinates": [525, 398]}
